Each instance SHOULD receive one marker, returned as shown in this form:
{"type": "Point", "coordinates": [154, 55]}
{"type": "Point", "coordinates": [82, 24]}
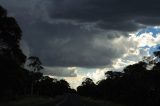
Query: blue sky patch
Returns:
{"type": "Point", "coordinates": [154, 48]}
{"type": "Point", "coordinates": [153, 30]}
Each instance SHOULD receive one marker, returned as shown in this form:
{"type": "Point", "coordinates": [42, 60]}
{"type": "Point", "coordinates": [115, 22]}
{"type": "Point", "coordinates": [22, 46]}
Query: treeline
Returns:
{"type": "Point", "coordinates": [135, 86]}
{"type": "Point", "coordinates": [15, 80]}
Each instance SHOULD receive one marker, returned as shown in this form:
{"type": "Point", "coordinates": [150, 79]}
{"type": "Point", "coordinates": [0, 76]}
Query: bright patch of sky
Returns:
{"type": "Point", "coordinates": [153, 30]}
{"type": "Point", "coordinates": [152, 37]}
{"type": "Point", "coordinates": [140, 44]}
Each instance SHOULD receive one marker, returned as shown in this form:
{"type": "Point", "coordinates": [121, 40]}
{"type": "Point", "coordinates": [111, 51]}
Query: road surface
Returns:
{"type": "Point", "coordinates": [75, 100]}
{"type": "Point", "coordinates": [71, 100]}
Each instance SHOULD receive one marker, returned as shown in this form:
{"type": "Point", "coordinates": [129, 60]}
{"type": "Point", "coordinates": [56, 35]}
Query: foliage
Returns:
{"type": "Point", "coordinates": [14, 79]}
{"type": "Point", "coordinates": [87, 88]}
{"type": "Point", "coordinates": [35, 64]}
{"type": "Point", "coordinates": [11, 56]}
{"type": "Point", "coordinates": [10, 36]}
{"type": "Point", "coordinates": [135, 85]}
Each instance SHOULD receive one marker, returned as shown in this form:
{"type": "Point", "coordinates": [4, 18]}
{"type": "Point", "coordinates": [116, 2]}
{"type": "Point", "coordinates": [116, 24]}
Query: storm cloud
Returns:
{"type": "Point", "coordinates": [80, 33]}
{"type": "Point", "coordinates": [125, 15]}
{"type": "Point", "coordinates": [69, 45]}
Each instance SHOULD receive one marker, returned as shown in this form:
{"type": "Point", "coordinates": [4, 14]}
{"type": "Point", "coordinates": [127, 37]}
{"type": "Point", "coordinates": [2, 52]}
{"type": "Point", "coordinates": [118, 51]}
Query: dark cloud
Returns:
{"type": "Point", "coordinates": [124, 15]}
{"type": "Point", "coordinates": [80, 32]}
{"type": "Point", "coordinates": [69, 45]}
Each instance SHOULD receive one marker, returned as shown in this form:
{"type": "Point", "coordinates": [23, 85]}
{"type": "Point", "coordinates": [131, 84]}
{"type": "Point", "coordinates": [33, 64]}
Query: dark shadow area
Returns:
{"type": "Point", "coordinates": [15, 80]}
{"type": "Point", "coordinates": [135, 86]}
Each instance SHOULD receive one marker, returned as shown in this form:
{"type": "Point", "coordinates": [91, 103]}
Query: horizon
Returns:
{"type": "Point", "coordinates": [82, 39]}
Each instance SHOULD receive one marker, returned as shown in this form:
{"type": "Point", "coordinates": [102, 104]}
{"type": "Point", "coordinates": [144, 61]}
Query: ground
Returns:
{"type": "Point", "coordinates": [65, 100]}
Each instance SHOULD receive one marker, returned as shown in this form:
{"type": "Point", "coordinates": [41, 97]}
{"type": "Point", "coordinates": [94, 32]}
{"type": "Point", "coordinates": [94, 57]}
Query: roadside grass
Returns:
{"type": "Point", "coordinates": [46, 101]}
{"type": "Point", "coordinates": [34, 101]}
{"type": "Point", "coordinates": [92, 102]}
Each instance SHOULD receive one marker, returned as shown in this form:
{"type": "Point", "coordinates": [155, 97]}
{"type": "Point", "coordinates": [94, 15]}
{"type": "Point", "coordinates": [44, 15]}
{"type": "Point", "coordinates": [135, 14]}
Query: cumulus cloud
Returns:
{"type": "Point", "coordinates": [75, 81]}
{"type": "Point", "coordinates": [84, 33]}
{"type": "Point", "coordinates": [70, 33]}
{"type": "Point", "coordinates": [138, 47]}
{"type": "Point", "coordinates": [98, 75]}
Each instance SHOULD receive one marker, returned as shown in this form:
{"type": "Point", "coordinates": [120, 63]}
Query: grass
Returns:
{"type": "Point", "coordinates": [34, 101]}
{"type": "Point", "coordinates": [46, 101]}
{"type": "Point", "coordinates": [92, 102]}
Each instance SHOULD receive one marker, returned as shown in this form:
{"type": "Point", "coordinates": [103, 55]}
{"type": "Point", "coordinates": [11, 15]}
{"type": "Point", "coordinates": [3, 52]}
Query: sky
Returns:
{"type": "Point", "coordinates": [76, 39]}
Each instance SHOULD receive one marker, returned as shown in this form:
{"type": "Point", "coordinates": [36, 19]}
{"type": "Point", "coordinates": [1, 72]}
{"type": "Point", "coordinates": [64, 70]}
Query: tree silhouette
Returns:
{"type": "Point", "coordinates": [11, 56]}
{"type": "Point", "coordinates": [87, 81]}
{"type": "Point", "coordinates": [157, 54]}
{"type": "Point", "coordinates": [10, 36]}
{"type": "Point", "coordinates": [87, 88]}
{"type": "Point", "coordinates": [34, 64]}
{"type": "Point", "coordinates": [113, 75]}
{"type": "Point", "coordinates": [16, 81]}
{"type": "Point", "coordinates": [135, 86]}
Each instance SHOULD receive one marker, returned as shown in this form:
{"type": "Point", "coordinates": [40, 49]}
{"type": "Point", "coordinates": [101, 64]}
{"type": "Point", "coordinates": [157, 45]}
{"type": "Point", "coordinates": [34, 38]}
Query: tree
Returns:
{"type": "Point", "coordinates": [11, 56]}
{"type": "Point", "coordinates": [63, 86]}
{"type": "Point", "coordinates": [87, 81]}
{"type": "Point", "coordinates": [35, 65]}
{"type": "Point", "coordinates": [113, 74]}
{"type": "Point", "coordinates": [87, 88]}
{"type": "Point", "coordinates": [10, 36]}
{"type": "Point", "coordinates": [157, 54]}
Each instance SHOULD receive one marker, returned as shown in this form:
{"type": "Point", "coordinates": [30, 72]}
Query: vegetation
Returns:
{"type": "Point", "coordinates": [14, 79]}
{"type": "Point", "coordinates": [135, 86]}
